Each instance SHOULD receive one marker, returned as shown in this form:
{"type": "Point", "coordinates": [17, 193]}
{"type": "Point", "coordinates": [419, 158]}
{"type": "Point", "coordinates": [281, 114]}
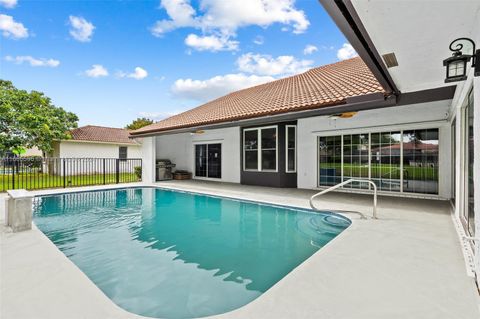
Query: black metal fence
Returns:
{"type": "Point", "coordinates": [38, 172]}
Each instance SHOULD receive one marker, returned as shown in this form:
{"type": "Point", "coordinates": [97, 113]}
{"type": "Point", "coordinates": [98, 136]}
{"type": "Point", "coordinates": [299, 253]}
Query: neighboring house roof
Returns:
{"type": "Point", "coordinates": [411, 146]}
{"type": "Point", "coordinates": [102, 134]}
{"type": "Point", "coordinates": [319, 87]}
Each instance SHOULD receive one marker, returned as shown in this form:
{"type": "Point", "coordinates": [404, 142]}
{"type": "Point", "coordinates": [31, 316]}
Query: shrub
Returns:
{"type": "Point", "coordinates": [138, 171]}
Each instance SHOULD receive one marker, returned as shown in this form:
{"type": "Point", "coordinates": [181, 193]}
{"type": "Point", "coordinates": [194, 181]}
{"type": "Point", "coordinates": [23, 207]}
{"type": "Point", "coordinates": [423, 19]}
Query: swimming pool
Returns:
{"type": "Point", "coordinates": [171, 254]}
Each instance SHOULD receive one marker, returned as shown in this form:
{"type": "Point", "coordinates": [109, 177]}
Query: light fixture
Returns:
{"type": "Point", "coordinates": [345, 115]}
{"type": "Point", "coordinates": [456, 65]}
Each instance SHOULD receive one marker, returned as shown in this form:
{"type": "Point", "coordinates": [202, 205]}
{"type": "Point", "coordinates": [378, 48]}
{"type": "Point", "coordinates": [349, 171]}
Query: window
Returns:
{"type": "Point", "coordinates": [251, 150]}
{"type": "Point", "coordinates": [260, 149]}
{"type": "Point", "coordinates": [122, 152]}
{"type": "Point", "coordinates": [290, 147]}
{"type": "Point", "coordinates": [399, 161]}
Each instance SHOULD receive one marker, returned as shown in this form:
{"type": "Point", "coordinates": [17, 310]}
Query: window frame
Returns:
{"type": "Point", "coordinates": [259, 149]}
{"type": "Point", "coordinates": [287, 170]}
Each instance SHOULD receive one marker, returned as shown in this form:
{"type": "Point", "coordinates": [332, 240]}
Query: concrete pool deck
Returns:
{"type": "Point", "coordinates": [406, 264]}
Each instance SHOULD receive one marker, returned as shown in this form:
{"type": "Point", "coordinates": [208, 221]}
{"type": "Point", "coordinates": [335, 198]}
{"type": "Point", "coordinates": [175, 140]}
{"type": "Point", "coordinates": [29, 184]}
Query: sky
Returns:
{"type": "Point", "coordinates": [113, 61]}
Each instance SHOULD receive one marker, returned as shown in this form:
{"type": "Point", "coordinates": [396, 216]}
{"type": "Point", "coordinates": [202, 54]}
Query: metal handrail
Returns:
{"type": "Point", "coordinates": [345, 183]}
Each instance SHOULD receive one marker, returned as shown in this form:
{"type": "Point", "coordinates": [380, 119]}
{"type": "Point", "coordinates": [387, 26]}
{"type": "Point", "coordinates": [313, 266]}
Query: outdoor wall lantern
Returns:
{"type": "Point", "coordinates": [457, 64]}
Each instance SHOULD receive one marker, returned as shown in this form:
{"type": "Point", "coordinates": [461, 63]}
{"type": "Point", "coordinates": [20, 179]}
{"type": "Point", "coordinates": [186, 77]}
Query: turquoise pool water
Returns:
{"type": "Point", "coordinates": [170, 254]}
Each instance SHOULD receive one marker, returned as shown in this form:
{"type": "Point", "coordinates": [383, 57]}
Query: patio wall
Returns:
{"type": "Point", "coordinates": [179, 148]}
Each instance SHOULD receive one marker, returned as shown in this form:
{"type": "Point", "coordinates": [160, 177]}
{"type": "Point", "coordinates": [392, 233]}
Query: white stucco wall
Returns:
{"type": "Point", "coordinates": [96, 150]}
{"type": "Point", "coordinates": [179, 148]}
{"type": "Point", "coordinates": [86, 158]}
{"type": "Point", "coordinates": [431, 115]}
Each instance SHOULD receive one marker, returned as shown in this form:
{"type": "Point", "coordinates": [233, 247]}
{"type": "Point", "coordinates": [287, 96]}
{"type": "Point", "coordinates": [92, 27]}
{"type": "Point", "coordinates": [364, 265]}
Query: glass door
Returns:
{"type": "Point", "coordinates": [208, 160]}
{"type": "Point", "coordinates": [214, 160]}
{"type": "Point", "coordinates": [469, 210]}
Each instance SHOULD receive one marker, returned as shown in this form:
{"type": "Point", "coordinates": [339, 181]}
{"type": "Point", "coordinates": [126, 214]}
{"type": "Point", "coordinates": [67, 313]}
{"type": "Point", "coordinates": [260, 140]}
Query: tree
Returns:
{"type": "Point", "coordinates": [139, 123]}
{"type": "Point", "coordinates": [30, 119]}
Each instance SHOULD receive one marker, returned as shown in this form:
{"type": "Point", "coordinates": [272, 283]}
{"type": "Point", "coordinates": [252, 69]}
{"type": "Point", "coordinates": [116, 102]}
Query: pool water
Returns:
{"type": "Point", "coordinates": [170, 254]}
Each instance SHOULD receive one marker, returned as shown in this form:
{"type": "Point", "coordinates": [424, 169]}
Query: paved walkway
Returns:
{"type": "Point", "coordinates": [407, 264]}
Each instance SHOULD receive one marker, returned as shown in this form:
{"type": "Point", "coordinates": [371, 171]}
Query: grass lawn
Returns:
{"type": "Point", "coordinates": [40, 181]}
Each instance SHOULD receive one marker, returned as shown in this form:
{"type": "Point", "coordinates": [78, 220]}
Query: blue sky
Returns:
{"type": "Point", "coordinates": [113, 61]}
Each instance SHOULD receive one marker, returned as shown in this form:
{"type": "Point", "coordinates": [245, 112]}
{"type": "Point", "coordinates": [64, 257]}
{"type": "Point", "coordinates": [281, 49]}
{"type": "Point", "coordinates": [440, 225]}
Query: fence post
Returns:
{"type": "Point", "coordinates": [64, 171]}
{"type": "Point", "coordinates": [103, 171]}
{"type": "Point", "coordinates": [117, 170]}
{"type": "Point", "coordinates": [13, 173]}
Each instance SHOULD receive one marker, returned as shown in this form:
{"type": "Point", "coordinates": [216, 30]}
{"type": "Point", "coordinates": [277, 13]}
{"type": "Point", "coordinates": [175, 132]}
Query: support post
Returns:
{"type": "Point", "coordinates": [103, 171]}
{"type": "Point", "coordinates": [117, 170]}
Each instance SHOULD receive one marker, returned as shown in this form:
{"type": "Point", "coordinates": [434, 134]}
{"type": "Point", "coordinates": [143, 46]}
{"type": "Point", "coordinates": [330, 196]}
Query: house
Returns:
{"type": "Point", "coordinates": [92, 141]}
{"type": "Point", "coordinates": [390, 115]}
{"type": "Point", "coordinates": [93, 150]}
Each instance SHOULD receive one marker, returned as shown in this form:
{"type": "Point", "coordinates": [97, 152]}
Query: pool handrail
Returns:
{"type": "Point", "coordinates": [374, 216]}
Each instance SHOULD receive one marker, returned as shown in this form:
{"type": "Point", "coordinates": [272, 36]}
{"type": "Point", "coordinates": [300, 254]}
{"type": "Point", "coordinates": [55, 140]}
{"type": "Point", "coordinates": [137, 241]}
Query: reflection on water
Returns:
{"type": "Point", "coordinates": [169, 254]}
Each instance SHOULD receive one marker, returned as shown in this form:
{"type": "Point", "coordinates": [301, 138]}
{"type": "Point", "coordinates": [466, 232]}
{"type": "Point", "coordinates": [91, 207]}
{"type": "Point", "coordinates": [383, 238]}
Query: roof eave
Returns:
{"type": "Point", "coordinates": [347, 20]}
{"type": "Point", "coordinates": [378, 100]}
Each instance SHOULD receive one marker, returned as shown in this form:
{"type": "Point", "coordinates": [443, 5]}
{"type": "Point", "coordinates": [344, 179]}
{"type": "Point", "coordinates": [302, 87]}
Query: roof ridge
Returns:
{"type": "Point", "coordinates": [101, 126]}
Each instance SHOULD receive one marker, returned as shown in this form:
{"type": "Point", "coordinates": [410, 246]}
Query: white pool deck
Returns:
{"type": "Point", "coordinates": [406, 264]}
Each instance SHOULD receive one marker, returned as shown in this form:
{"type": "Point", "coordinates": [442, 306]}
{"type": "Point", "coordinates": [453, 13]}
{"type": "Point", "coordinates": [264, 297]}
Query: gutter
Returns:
{"type": "Point", "coordinates": [347, 20]}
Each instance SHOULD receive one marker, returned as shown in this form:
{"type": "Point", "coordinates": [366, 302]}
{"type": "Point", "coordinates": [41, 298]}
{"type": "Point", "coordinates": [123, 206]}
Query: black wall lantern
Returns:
{"type": "Point", "coordinates": [457, 64]}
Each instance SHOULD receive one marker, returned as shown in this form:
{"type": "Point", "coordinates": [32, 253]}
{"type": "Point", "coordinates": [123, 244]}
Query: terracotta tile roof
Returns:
{"type": "Point", "coordinates": [323, 86]}
{"type": "Point", "coordinates": [101, 134]}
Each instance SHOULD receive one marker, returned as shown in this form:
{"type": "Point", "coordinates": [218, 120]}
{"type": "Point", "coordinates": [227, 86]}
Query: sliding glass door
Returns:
{"type": "Point", "coordinates": [398, 161]}
{"type": "Point", "coordinates": [330, 160]}
{"type": "Point", "coordinates": [385, 160]}
{"type": "Point", "coordinates": [355, 159]}
{"type": "Point", "coordinates": [469, 208]}
{"type": "Point", "coordinates": [420, 160]}
{"type": "Point", "coordinates": [208, 160]}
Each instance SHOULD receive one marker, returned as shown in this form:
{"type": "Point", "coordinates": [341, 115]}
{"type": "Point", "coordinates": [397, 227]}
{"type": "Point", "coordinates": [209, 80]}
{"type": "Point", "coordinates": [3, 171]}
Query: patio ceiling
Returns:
{"type": "Point", "coordinates": [419, 33]}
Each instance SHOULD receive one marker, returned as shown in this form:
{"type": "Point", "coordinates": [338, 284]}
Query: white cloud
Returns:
{"type": "Point", "coordinates": [138, 74]}
{"type": "Point", "coordinates": [259, 40]}
{"type": "Point", "coordinates": [346, 52]}
{"type": "Point", "coordinates": [225, 17]}
{"type": "Point", "coordinates": [205, 90]}
{"type": "Point", "coordinates": [81, 30]}
{"type": "Point", "coordinates": [309, 49]}
{"type": "Point", "coordinates": [97, 71]}
{"type": "Point", "coordinates": [211, 43]}
{"type": "Point", "coordinates": [9, 4]}
{"type": "Point", "coordinates": [230, 15]}
{"type": "Point", "coordinates": [268, 65]}
{"type": "Point", "coordinates": [33, 61]}
{"type": "Point", "coordinates": [181, 13]}
{"type": "Point", "coordinates": [12, 29]}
